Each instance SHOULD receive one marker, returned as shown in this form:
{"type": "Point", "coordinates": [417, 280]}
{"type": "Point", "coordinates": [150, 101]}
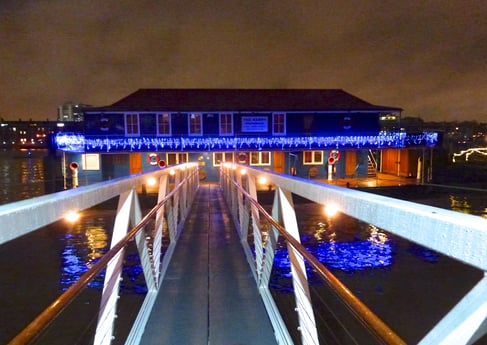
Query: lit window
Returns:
{"type": "Point", "coordinates": [226, 124]}
{"type": "Point", "coordinates": [90, 161]}
{"type": "Point", "coordinates": [260, 158]}
{"type": "Point", "coordinates": [312, 157]}
{"type": "Point", "coordinates": [164, 124]}
{"type": "Point", "coordinates": [195, 124]}
{"type": "Point", "coordinates": [279, 124]}
{"type": "Point", "coordinates": [132, 124]}
{"type": "Point", "coordinates": [176, 158]}
{"type": "Point", "coordinates": [221, 157]}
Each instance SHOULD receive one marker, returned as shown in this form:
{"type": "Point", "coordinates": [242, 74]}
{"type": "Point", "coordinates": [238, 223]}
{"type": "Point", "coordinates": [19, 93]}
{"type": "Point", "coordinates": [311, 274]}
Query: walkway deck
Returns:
{"type": "Point", "coordinates": [208, 295]}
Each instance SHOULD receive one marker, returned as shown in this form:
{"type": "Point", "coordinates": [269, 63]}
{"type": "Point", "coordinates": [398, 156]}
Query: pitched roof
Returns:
{"type": "Point", "coordinates": [242, 100]}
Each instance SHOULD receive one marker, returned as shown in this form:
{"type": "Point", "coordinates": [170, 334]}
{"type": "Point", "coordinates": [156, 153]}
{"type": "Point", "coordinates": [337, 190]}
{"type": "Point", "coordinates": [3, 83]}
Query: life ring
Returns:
{"type": "Point", "coordinates": [242, 157]}
{"type": "Point", "coordinates": [105, 124]}
{"type": "Point", "coordinates": [334, 156]}
{"type": "Point", "coordinates": [153, 159]}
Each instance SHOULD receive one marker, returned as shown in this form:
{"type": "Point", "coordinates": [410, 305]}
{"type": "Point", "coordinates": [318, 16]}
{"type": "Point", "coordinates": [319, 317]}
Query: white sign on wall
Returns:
{"type": "Point", "coordinates": [254, 123]}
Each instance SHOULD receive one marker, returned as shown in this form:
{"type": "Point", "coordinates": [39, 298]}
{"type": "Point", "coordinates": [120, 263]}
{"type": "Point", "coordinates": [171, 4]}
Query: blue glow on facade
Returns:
{"type": "Point", "coordinates": [79, 143]}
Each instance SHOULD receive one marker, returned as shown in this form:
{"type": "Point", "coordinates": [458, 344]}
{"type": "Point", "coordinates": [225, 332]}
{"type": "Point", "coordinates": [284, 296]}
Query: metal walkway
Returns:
{"type": "Point", "coordinates": [208, 295]}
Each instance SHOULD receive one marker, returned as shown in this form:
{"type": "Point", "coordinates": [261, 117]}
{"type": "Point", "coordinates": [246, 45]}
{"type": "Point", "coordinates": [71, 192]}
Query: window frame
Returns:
{"type": "Point", "coordinates": [313, 160]}
{"type": "Point", "coordinates": [169, 124]}
{"type": "Point", "coordinates": [177, 156]}
{"type": "Point", "coordinates": [278, 123]}
{"type": "Point", "coordinates": [259, 158]}
{"type": "Point", "coordinates": [129, 127]}
{"type": "Point", "coordinates": [90, 161]}
{"type": "Point", "coordinates": [223, 127]}
{"type": "Point", "coordinates": [190, 124]}
{"type": "Point", "coordinates": [224, 156]}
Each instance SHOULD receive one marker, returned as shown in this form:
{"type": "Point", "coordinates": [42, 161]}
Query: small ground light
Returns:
{"type": "Point", "coordinates": [151, 181]}
{"type": "Point", "coordinates": [243, 171]}
{"type": "Point", "coordinates": [330, 210]}
{"type": "Point", "coordinates": [72, 217]}
{"type": "Point", "coordinates": [262, 180]}
{"type": "Point", "coordinates": [172, 172]}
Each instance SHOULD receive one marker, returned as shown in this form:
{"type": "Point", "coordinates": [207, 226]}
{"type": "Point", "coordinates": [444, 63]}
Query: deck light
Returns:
{"type": "Point", "coordinates": [72, 216]}
{"type": "Point", "coordinates": [262, 180]}
{"type": "Point", "coordinates": [151, 181]}
{"type": "Point", "coordinates": [172, 172]}
{"type": "Point", "coordinates": [243, 171]}
{"type": "Point", "coordinates": [330, 210]}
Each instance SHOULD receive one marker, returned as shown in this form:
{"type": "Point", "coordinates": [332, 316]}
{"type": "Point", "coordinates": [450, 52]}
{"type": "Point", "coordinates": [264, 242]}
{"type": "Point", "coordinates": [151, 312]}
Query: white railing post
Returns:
{"type": "Point", "coordinates": [107, 315]}
{"type": "Point", "coordinates": [307, 323]}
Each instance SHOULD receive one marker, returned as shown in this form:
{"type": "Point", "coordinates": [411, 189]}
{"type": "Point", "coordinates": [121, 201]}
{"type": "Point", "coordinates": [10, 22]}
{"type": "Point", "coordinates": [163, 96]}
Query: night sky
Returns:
{"type": "Point", "coordinates": [427, 57]}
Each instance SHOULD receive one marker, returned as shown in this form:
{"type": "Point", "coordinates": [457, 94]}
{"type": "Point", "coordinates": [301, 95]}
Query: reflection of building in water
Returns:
{"type": "Point", "coordinates": [460, 204]}
{"type": "Point", "coordinates": [84, 244]}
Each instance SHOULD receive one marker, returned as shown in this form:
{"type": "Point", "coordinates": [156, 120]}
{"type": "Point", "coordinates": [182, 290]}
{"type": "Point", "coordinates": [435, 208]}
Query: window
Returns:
{"type": "Point", "coordinates": [260, 158]}
{"type": "Point", "coordinates": [90, 161]}
{"type": "Point", "coordinates": [226, 124]}
{"type": "Point", "coordinates": [279, 124]}
{"type": "Point", "coordinates": [222, 157]}
{"type": "Point", "coordinates": [176, 158]}
{"type": "Point", "coordinates": [312, 157]}
{"type": "Point", "coordinates": [132, 124]}
{"type": "Point", "coordinates": [195, 124]}
{"type": "Point", "coordinates": [164, 124]}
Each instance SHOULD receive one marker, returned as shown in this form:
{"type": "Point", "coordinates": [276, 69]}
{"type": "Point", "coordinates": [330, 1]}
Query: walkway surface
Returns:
{"type": "Point", "coordinates": [209, 296]}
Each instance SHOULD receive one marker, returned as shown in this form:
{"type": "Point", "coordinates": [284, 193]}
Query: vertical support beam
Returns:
{"type": "Point", "coordinates": [145, 256]}
{"type": "Point", "coordinates": [271, 244]}
{"type": "Point", "coordinates": [255, 219]}
{"type": "Point", "coordinates": [107, 314]}
{"type": "Point", "coordinates": [307, 323]}
{"type": "Point", "coordinates": [465, 323]}
{"type": "Point", "coordinates": [157, 234]}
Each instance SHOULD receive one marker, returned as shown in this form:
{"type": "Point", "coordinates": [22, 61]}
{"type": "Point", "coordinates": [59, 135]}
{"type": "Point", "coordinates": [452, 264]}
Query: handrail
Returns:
{"type": "Point", "coordinates": [362, 311]}
{"type": "Point", "coordinates": [435, 228]}
{"type": "Point", "coordinates": [40, 323]}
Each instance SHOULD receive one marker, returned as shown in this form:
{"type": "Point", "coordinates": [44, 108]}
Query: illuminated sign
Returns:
{"type": "Point", "coordinates": [254, 124]}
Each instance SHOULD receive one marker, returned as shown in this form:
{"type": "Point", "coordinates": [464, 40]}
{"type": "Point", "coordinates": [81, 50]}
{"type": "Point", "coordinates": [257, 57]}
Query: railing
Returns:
{"type": "Point", "coordinates": [176, 189]}
{"type": "Point", "coordinates": [431, 227]}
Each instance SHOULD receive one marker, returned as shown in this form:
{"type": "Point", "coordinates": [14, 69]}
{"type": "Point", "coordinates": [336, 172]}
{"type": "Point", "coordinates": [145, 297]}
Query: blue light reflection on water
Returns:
{"type": "Point", "coordinates": [84, 244]}
{"type": "Point", "coordinates": [347, 246]}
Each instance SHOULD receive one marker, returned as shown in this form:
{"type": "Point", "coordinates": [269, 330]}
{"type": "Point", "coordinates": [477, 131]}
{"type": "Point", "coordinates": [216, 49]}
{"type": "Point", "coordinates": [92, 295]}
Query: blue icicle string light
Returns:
{"type": "Point", "coordinates": [79, 143]}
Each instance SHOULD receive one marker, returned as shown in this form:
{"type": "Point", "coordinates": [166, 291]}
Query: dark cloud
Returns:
{"type": "Point", "coordinates": [427, 57]}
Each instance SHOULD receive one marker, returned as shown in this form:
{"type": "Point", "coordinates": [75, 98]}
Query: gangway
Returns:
{"type": "Point", "coordinates": [206, 256]}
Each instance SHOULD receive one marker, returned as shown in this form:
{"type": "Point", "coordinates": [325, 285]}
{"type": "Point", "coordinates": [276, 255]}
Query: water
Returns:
{"type": "Point", "coordinates": [38, 267]}
{"type": "Point", "coordinates": [409, 286]}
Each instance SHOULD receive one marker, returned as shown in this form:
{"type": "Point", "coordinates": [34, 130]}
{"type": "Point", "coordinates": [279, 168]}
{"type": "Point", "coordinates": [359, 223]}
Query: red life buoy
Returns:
{"type": "Point", "coordinates": [334, 156]}
{"type": "Point", "coordinates": [153, 159]}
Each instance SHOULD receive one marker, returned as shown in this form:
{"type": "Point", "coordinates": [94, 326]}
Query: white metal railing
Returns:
{"type": "Point", "coordinates": [431, 227]}
{"type": "Point", "coordinates": [177, 186]}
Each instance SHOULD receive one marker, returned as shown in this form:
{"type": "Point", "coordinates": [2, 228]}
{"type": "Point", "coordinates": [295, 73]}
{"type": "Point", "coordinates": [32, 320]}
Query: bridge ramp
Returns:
{"type": "Point", "coordinates": [208, 295]}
